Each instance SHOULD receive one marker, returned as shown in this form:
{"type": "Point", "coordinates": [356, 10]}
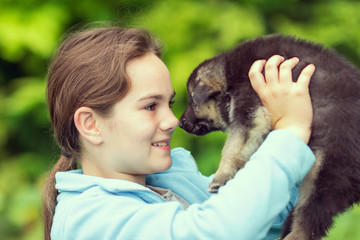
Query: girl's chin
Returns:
{"type": "Point", "coordinates": [165, 165]}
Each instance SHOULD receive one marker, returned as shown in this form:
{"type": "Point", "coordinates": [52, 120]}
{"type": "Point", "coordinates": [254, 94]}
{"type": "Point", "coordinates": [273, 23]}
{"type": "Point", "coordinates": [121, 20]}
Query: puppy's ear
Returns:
{"type": "Point", "coordinates": [203, 92]}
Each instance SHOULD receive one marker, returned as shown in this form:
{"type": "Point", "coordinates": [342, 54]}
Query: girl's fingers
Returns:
{"type": "Point", "coordinates": [256, 77]}
{"type": "Point", "coordinates": [285, 72]}
{"type": "Point", "coordinates": [276, 76]}
{"type": "Point", "coordinates": [271, 69]}
{"type": "Point", "coordinates": [305, 76]}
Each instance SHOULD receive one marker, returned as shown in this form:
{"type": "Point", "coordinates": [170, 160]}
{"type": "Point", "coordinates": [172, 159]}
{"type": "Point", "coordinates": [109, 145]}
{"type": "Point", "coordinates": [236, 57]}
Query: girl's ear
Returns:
{"type": "Point", "coordinates": [85, 120]}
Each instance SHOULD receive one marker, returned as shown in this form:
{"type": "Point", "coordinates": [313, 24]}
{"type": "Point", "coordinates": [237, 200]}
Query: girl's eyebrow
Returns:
{"type": "Point", "coordinates": [155, 96]}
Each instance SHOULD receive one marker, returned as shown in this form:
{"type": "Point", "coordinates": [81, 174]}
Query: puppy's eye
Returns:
{"type": "Point", "coordinates": [214, 95]}
{"type": "Point", "coordinates": [151, 107]}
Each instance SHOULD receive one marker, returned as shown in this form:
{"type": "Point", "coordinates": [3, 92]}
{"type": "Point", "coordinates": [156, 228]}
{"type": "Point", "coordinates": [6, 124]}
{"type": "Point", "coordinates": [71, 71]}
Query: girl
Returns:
{"type": "Point", "coordinates": [109, 98]}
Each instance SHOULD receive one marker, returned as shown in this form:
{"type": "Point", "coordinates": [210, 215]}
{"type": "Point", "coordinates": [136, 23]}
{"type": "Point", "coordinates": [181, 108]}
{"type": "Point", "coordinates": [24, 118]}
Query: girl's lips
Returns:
{"type": "Point", "coordinates": [167, 148]}
{"type": "Point", "coordinates": [164, 145]}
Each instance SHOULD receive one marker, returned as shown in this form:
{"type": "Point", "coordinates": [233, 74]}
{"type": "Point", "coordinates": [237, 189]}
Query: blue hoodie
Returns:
{"type": "Point", "coordinates": [251, 206]}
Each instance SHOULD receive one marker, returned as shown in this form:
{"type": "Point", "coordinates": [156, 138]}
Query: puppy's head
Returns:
{"type": "Point", "coordinates": [208, 102]}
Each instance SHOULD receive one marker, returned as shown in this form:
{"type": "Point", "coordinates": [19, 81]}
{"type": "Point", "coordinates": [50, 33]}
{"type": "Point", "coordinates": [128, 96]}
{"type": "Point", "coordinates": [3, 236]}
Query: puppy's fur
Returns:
{"type": "Point", "coordinates": [221, 98]}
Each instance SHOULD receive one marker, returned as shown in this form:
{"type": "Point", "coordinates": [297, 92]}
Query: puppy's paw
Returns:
{"type": "Point", "coordinates": [219, 180]}
{"type": "Point", "coordinates": [214, 187]}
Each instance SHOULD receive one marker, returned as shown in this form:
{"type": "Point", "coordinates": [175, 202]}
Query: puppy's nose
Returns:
{"type": "Point", "coordinates": [182, 122]}
{"type": "Point", "coordinates": [186, 125]}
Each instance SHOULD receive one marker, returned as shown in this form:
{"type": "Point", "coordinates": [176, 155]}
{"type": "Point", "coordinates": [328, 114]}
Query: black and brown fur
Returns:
{"type": "Point", "coordinates": [221, 98]}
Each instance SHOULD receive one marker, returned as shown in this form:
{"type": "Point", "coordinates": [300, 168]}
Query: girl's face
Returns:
{"type": "Point", "coordinates": [136, 136]}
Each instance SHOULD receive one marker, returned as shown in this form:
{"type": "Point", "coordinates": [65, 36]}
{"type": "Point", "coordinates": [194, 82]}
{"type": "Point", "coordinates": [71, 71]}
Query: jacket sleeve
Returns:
{"type": "Point", "coordinates": [247, 205]}
{"type": "Point", "coordinates": [245, 208]}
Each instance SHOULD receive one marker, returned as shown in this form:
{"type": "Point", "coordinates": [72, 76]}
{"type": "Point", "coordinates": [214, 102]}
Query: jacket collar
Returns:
{"type": "Point", "coordinates": [76, 181]}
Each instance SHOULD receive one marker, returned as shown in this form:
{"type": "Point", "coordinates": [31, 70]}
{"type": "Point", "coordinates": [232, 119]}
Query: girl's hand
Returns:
{"type": "Point", "coordinates": [287, 102]}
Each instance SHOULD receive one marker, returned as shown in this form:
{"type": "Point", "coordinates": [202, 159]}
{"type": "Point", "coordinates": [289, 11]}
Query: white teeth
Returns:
{"type": "Point", "coordinates": [161, 144]}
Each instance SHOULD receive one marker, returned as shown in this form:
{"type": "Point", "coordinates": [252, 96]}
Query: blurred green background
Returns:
{"type": "Point", "coordinates": [192, 32]}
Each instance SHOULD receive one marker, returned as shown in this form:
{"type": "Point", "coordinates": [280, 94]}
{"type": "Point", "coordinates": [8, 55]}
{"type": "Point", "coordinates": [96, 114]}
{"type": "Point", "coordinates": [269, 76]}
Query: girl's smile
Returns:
{"type": "Point", "coordinates": [163, 145]}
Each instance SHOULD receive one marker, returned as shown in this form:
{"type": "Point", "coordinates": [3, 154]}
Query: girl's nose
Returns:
{"type": "Point", "coordinates": [170, 122]}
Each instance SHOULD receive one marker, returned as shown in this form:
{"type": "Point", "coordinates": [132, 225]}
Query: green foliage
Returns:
{"type": "Point", "coordinates": [192, 31]}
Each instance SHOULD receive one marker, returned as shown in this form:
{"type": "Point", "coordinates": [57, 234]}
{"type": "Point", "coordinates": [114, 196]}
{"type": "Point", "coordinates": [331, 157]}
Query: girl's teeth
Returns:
{"type": "Point", "coordinates": [162, 144]}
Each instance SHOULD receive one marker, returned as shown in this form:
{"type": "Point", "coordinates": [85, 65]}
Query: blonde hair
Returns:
{"type": "Point", "coordinates": [88, 69]}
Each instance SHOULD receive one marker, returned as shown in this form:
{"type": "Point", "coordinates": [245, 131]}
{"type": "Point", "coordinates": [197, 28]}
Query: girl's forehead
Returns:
{"type": "Point", "coordinates": [149, 76]}
{"type": "Point", "coordinates": [147, 66]}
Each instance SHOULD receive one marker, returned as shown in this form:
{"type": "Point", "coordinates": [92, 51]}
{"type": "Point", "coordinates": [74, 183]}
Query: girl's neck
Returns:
{"type": "Point", "coordinates": [92, 169]}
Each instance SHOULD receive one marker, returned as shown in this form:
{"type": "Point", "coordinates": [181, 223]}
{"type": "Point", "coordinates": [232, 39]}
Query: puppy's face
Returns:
{"type": "Point", "coordinates": [207, 102]}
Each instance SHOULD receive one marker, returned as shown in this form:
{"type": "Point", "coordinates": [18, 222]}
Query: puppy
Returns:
{"type": "Point", "coordinates": [221, 98]}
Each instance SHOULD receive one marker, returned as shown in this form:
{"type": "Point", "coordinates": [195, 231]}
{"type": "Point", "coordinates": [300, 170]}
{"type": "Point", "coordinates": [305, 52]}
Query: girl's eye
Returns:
{"type": "Point", "coordinates": [151, 107]}
{"type": "Point", "coordinates": [171, 103]}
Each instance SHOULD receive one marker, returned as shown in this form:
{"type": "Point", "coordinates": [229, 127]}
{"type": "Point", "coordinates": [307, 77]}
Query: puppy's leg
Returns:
{"type": "Point", "coordinates": [326, 191]}
{"type": "Point", "coordinates": [301, 225]}
{"type": "Point", "coordinates": [238, 149]}
{"type": "Point", "coordinates": [230, 161]}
